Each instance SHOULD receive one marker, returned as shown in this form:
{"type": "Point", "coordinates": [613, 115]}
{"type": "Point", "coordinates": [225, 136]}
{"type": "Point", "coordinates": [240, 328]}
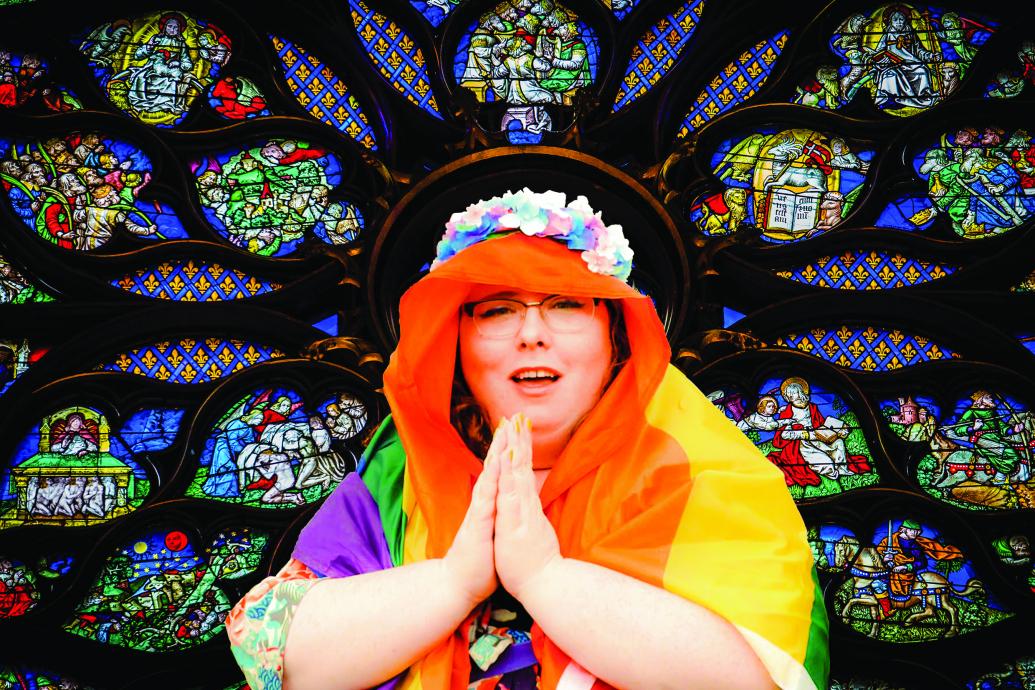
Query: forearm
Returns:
{"type": "Point", "coordinates": [634, 635]}
{"type": "Point", "coordinates": [359, 631]}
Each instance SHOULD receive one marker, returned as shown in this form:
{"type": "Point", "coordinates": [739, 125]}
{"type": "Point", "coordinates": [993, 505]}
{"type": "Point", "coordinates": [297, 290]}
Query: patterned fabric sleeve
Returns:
{"type": "Point", "coordinates": [259, 623]}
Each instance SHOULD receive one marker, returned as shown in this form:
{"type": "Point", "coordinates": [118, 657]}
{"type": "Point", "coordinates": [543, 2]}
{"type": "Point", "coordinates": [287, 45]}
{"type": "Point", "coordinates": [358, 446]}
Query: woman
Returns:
{"type": "Point", "coordinates": [618, 520]}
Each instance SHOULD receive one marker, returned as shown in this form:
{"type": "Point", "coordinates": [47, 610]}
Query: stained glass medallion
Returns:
{"type": "Point", "coordinates": [71, 470]}
{"type": "Point", "coordinates": [16, 288]}
{"type": "Point", "coordinates": [907, 57]}
{"type": "Point", "coordinates": [980, 453]}
{"type": "Point", "coordinates": [867, 270]}
{"type": "Point", "coordinates": [161, 593]}
{"type": "Point", "coordinates": [271, 450]}
{"type": "Point", "coordinates": [81, 190]}
{"type": "Point", "coordinates": [791, 184]}
{"type": "Point", "coordinates": [808, 432]}
{"type": "Point", "coordinates": [321, 92]}
{"type": "Point", "coordinates": [154, 67]}
{"type": "Point", "coordinates": [981, 178]}
{"type": "Point", "coordinates": [656, 52]}
{"type": "Point", "coordinates": [866, 349]}
{"type": "Point", "coordinates": [190, 360]}
{"type": "Point", "coordinates": [237, 98]}
{"type": "Point", "coordinates": [737, 83]}
{"type": "Point", "coordinates": [899, 605]}
{"type": "Point", "coordinates": [265, 199]}
{"type": "Point", "coordinates": [395, 55]}
{"type": "Point", "coordinates": [24, 585]}
{"type": "Point", "coordinates": [24, 81]}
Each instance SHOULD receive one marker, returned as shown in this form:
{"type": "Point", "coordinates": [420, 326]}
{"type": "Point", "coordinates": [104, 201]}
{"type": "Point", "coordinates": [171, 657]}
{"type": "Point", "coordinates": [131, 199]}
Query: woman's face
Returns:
{"type": "Point", "coordinates": [581, 363]}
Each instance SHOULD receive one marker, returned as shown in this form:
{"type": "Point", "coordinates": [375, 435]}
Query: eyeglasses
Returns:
{"type": "Point", "coordinates": [503, 318]}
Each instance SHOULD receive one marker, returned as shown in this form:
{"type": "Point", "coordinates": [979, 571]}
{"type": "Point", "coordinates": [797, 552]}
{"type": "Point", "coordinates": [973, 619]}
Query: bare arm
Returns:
{"type": "Point", "coordinates": [651, 639]}
{"type": "Point", "coordinates": [359, 631]}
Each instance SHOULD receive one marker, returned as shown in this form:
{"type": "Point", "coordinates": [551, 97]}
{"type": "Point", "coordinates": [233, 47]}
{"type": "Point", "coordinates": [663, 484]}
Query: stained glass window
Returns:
{"type": "Point", "coordinates": [207, 217]}
{"type": "Point", "coordinates": [792, 184]}
{"type": "Point", "coordinates": [737, 82]}
{"type": "Point", "coordinates": [657, 51]}
{"type": "Point", "coordinates": [907, 58]}
{"type": "Point", "coordinates": [867, 349]}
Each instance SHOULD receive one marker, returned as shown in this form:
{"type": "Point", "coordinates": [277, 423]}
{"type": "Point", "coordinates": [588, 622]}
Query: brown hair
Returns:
{"type": "Point", "coordinates": [470, 420]}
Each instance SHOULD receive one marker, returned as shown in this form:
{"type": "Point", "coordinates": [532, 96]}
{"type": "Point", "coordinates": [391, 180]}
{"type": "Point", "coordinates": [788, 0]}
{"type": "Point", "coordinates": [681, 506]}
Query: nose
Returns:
{"type": "Point", "coordinates": [533, 332]}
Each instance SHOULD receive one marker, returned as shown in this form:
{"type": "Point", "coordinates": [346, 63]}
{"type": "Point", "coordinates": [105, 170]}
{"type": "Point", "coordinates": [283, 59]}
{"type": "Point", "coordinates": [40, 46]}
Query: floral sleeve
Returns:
{"type": "Point", "coordinates": [258, 626]}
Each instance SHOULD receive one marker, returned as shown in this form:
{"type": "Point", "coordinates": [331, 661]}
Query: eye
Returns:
{"type": "Point", "coordinates": [568, 303]}
{"type": "Point", "coordinates": [493, 310]}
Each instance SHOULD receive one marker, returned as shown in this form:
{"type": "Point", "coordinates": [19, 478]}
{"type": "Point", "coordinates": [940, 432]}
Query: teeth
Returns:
{"type": "Point", "coordinates": [532, 374]}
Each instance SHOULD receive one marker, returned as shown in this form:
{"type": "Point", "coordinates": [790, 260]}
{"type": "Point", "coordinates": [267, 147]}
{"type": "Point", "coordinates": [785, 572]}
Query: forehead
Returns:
{"type": "Point", "coordinates": [482, 291]}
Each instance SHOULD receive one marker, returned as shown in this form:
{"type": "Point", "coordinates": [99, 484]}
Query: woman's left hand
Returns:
{"type": "Point", "coordinates": [525, 541]}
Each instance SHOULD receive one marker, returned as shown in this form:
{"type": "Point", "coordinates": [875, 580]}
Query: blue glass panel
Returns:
{"type": "Point", "coordinates": [792, 184]}
{"type": "Point", "coordinates": [80, 189]}
{"type": "Point", "coordinates": [395, 55]}
{"type": "Point", "coordinates": [981, 178]}
{"type": "Point", "coordinates": [737, 82]}
{"type": "Point", "coordinates": [1028, 341]}
{"type": "Point", "coordinates": [328, 325]}
{"type": "Point", "coordinates": [523, 46]}
{"type": "Point", "coordinates": [155, 66]}
{"type": "Point", "coordinates": [730, 316]}
{"type": "Point", "coordinates": [656, 51]}
{"type": "Point", "coordinates": [907, 58]}
{"type": "Point", "coordinates": [190, 281]}
{"type": "Point", "coordinates": [265, 199]}
{"type": "Point", "coordinates": [870, 349]}
{"type": "Point", "coordinates": [322, 93]}
{"type": "Point", "coordinates": [154, 429]}
{"type": "Point", "coordinates": [70, 471]}
{"type": "Point", "coordinates": [908, 213]}
{"type": "Point", "coordinates": [237, 98]}
{"type": "Point", "coordinates": [867, 270]}
{"type": "Point", "coordinates": [191, 360]}
{"type": "Point", "coordinates": [271, 450]}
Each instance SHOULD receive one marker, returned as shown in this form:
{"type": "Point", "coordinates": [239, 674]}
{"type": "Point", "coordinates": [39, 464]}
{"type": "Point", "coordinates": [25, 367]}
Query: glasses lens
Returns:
{"type": "Point", "coordinates": [566, 314]}
{"type": "Point", "coordinates": [498, 318]}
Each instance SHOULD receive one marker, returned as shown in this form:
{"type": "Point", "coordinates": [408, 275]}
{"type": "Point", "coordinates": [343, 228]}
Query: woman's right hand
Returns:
{"type": "Point", "coordinates": [469, 561]}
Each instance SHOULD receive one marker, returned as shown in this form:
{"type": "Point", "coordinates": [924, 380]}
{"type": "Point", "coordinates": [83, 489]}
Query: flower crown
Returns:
{"type": "Point", "coordinates": [548, 214]}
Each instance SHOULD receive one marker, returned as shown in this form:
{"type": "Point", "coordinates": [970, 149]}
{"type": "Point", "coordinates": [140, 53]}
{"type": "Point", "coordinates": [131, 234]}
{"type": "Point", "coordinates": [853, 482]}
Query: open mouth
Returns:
{"type": "Point", "coordinates": [534, 377]}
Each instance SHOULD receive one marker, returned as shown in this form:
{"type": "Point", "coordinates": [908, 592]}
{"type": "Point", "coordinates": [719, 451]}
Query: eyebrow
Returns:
{"type": "Point", "coordinates": [500, 294]}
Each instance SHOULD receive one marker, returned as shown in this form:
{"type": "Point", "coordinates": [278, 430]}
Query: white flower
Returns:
{"type": "Point", "coordinates": [581, 203]}
{"type": "Point", "coordinates": [552, 200]}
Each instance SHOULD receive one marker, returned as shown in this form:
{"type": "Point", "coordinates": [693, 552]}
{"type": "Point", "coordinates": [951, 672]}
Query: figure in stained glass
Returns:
{"type": "Point", "coordinates": [154, 67]}
{"type": "Point", "coordinates": [908, 59]}
{"type": "Point", "coordinates": [834, 547]}
{"type": "Point", "coordinates": [792, 184]}
{"type": "Point", "coordinates": [237, 98]}
{"type": "Point", "coordinates": [269, 451]}
{"type": "Point", "coordinates": [71, 471]}
{"type": "Point", "coordinates": [158, 594]}
{"type": "Point", "coordinates": [915, 587]}
{"type": "Point", "coordinates": [78, 190]}
{"type": "Point", "coordinates": [811, 436]}
{"type": "Point", "coordinates": [984, 182]}
{"type": "Point", "coordinates": [18, 591]}
{"type": "Point", "coordinates": [15, 288]}
{"type": "Point", "coordinates": [23, 80]}
{"type": "Point", "coordinates": [981, 457]}
{"type": "Point", "coordinates": [1014, 550]}
{"type": "Point", "coordinates": [264, 199]}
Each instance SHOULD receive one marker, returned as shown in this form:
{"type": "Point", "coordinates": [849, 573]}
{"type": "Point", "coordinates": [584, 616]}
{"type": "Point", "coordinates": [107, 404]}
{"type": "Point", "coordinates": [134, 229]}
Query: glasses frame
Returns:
{"type": "Point", "coordinates": [468, 308]}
